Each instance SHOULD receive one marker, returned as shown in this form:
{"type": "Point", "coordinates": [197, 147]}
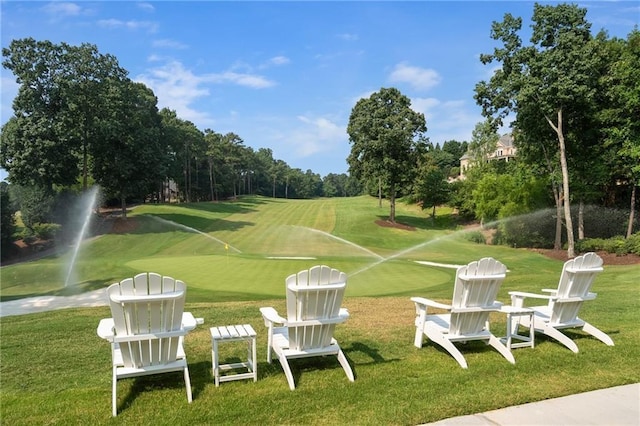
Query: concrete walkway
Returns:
{"type": "Point", "coordinates": [30, 305]}
{"type": "Point", "coordinates": [617, 406]}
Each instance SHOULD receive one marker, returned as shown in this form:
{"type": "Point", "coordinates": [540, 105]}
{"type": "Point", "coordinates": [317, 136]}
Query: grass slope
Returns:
{"type": "Point", "coordinates": [55, 369]}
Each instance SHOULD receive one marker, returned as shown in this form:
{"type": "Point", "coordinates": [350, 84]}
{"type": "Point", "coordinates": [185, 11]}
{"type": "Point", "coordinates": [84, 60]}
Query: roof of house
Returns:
{"type": "Point", "coordinates": [506, 140]}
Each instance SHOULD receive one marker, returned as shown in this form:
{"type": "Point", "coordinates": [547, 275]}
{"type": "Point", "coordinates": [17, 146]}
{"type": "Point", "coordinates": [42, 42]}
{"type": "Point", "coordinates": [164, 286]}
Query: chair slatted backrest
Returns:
{"type": "Point", "coordinates": [314, 294]}
{"type": "Point", "coordinates": [143, 308]}
{"type": "Point", "coordinates": [476, 286]}
{"type": "Point", "coordinates": [575, 283]}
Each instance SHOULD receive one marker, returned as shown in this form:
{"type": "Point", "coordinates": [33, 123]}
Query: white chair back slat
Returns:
{"type": "Point", "coordinates": [576, 279]}
{"type": "Point", "coordinates": [476, 286]}
{"type": "Point", "coordinates": [308, 300]}
{"type": "Point", "coordinates": [134, 317]}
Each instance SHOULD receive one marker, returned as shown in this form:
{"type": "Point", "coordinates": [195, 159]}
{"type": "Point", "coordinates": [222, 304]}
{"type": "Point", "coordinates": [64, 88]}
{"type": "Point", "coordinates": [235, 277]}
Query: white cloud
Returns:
{"type": "Point", "coordinates": [62, 9]}
{"type": "Point", "coordinates": [241, 79]}
{"type": "Point", "coordinates": [315, 135]}
{"type": "Point", "coordinates": [447, 120]}
{"type": "Point", "coordinates": [169, 44]}
{"type": "Point", "coordinates": [147, 7]}
{"type": "Point", "coordinates": [425, 106]}
{"type": "Point", "coordinates": [279, 60]}
{"type": "Point", "coordinates": [418, 78]}
{"type": "Point", "coordinates": [348, 36]}
{"type": "Point", "coordinates": [154, 58]}
{"type": "Point", "coordinates": [151, 27]}
{"type": "Point", "coordinates": [178, 88]}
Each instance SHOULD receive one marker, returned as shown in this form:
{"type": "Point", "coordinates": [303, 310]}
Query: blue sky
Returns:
{"type": "Point", "coordinates": [285, 75]}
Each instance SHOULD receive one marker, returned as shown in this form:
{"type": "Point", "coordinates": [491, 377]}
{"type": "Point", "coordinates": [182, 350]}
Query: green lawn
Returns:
{"type": "Point", "coordinates": [55, 370]}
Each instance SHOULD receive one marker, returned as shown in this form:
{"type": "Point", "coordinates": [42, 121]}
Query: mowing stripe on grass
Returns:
{"type": "Point", "coordinates": [441, 265]}
{"type": "Point", "coordinates": [342, 240]}
{"type": "Point", "coordinates": [291, 257]}
{"type": "Point", "coordinates": [188, 228]}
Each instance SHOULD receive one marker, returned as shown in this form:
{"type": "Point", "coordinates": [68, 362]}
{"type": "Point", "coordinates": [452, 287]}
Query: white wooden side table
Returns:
{"type": "Point", "coordinates": [234, 333]}
{"type": "Point", "coordinates": [514, 312]}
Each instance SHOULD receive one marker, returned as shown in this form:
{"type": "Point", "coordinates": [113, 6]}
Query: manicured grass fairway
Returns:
{"type": "Point", "coordinates": [54, 368]}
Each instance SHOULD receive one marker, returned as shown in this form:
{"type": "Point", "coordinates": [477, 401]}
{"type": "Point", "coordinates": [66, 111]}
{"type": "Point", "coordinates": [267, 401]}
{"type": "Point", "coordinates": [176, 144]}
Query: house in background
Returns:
{"type": "Point", "coordinates": [505, 150]}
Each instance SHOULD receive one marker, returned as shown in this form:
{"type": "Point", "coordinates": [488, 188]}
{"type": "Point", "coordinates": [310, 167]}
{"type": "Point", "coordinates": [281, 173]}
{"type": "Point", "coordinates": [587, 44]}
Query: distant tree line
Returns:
{"type": "Point", "coordinates": [79, 120]}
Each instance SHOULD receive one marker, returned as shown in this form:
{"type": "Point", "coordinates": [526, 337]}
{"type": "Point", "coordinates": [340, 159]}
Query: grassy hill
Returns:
{"type": "Point", "coordinates": [242, 250]}
{"type": "Point", "coordinates": [234, 257]}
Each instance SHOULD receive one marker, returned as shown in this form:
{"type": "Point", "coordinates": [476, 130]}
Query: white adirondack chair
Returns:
{"type": "Point", "coordinates": [147, 328]}
{"type": "Point", "coordinates": [314, 297]}
{"type": "Point", "coordinates": [474, 298]}
{"type": "Point", "coordinates": [564, 303]}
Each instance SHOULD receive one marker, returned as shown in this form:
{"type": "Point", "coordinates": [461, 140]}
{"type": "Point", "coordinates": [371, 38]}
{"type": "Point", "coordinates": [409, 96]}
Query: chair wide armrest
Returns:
{"type": "Point", "coordinates": [106, 329]}
{"type": "Point", "coordinates": [270, 316]}
{"type": "Point", "coordinates": [189, 322]}
{"type": "Point", "coordinates": [421, 301]}
{"type": "Point", "coordinates": [522, 295]}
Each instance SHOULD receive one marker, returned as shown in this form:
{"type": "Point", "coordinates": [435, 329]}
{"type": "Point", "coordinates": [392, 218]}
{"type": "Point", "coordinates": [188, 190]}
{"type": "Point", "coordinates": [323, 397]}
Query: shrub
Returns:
{"type": "Point", "coordinates": [46, 231]}
{"type": "Point", "coordinates": [633, 244]}
{"type": "Point", "coordinates": [35, 204]}
{"type": "Point", "coordinates": [475, 237]}
{"type": "Point", "coordinates": [617, 245]}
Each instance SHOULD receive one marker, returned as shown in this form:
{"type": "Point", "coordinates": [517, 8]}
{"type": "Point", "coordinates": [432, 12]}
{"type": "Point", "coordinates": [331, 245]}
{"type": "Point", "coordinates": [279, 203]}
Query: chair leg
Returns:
{"type": "Point", "coordinates": [556, 334]}
{"type": "Point", "coordinates": [114, 397]}
{"type": "Point", "coordinates": [187, 383]}
{"type": "Point", "coordinates": [345, 365]}
{"type": "Point", "coordinates": [287, 371]}
{"type": "Point", "coordinates": [598, 334]}
{"type": "Point", "coordinates": [495, 343]}
{"type": "Point", "coordinates": [451, 348]}
{"type": "Point", "coordinates": [417, 341]}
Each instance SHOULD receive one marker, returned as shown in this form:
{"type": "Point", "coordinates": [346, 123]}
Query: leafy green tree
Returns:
{"type": "Point", "coordinates": [131, 159]}
{"type": "Point", "coordinates": [277, 172]}
{"type": "Point", "coordinates": [454, 150]}
{"type": "Point", "coordinates": [491, 193]}
{"type": "Point", "coordinates": [340, 185]}
{"type": "Point", "coordinates": [182, 138]}
{"type": "Point", "coordinates": [263, 163]}
{"type": "Point", "coordinates": [233, 150]}
{"type": "Point", "coordinates": [58, 109]}
{"type": "Point", "coordinates": [7, 220]}
{"type": "Point", "coordinates": [213, 141]}
{"type": "Point", "coordinates": [484, 139]}
{"type": "Point", "coordinates": [35, 203]}
{"type": "Point", "coordinates": [430, 188]}
{"type": "Point", "coordinates": [554, 78]}
{"type": "Point", "coordinates": [620, 117]}
{"type": "Point", "coordinates": [384, 133]}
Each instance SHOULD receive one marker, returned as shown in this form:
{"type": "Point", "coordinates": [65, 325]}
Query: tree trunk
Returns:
{"type": "Point", "coordinates": [211, 179]}
{"type": "Point", "coordinates": [633, 209]}
{"type": "Point", "coordinates": [216, 196]}
{"type": "Point", "coordinates": [85, 156]}
{"type": "Point", "coordinates": [274, 187]}
{"type": "Point", "coordinates": [557, 196]}
{"type": "Point", "coordinates": [392, 202]}
{"type": "Point", "coordinates": [379, 192]}
{"type": "Point", "coordinates": [581, 220]}
{"type": "Point", "coordinates": [565, 185]}
{"type": "Point", "coordinates": [123, 200]}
